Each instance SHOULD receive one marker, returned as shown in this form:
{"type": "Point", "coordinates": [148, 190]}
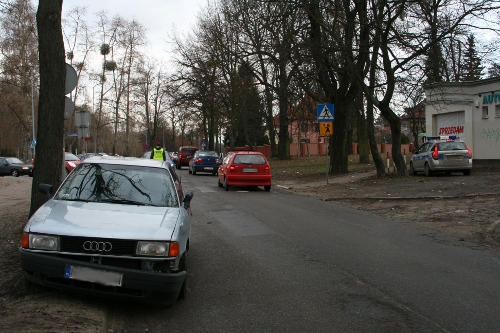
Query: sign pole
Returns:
{"type": "Point", "coordinates": [326, 117]}
{"type": "Point", "coordinates": [326, 146]}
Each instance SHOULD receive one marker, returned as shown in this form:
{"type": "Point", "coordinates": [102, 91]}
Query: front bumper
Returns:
{"type": "Point", "coordinates": [139, 285]}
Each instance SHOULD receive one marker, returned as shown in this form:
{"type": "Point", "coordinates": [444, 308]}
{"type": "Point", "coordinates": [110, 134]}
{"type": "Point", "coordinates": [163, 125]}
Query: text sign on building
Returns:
{"type": "Point", "coordinates": [325, 112]}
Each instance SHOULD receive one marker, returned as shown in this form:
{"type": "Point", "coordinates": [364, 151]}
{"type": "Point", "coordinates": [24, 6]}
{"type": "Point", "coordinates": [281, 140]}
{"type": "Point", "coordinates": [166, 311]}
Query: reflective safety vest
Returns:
{"type": "Point", "coordinates": [158, 154]}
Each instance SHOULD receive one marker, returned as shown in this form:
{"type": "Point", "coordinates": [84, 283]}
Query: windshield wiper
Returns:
{"type": "Point", "coordinates": [126, 202]}
{"type": "Point", "coordinates": [76, 199]}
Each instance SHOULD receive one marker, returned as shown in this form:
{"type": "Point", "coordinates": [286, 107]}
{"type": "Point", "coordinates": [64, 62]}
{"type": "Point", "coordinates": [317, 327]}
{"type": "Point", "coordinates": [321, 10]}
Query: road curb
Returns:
{"type": "Point", "coordinates": [444, 197]}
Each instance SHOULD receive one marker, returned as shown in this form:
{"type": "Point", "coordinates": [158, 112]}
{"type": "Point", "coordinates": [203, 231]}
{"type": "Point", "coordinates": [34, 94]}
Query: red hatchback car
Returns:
{"type": "Point", "coordinates": [244, 168]}
{"type": "Point", "coordinates": [185, 155]}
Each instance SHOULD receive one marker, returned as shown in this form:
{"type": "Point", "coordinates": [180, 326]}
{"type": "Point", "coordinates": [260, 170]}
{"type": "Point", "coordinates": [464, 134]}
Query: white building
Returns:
{"type": "Point", "coordinates": [469, 110]}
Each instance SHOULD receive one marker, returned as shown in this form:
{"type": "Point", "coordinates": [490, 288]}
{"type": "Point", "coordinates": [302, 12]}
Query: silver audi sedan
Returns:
{"type": "Point", "coordinates": [116, 227]}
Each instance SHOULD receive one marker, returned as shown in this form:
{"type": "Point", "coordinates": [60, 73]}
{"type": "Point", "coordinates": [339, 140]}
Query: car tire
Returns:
{"type": "Point", "coordinates": [267, 188]}
{"type": "Point", "coordinates": [214, 173]}
{"type": "Point", "coordinates": [428, 171]}
{"type": "Point", "coordinates": [14, 173]}
{"type": "Point", "coordinates": [466, 172]}
{"type": "Point", "coordinates": [226, 186]}
{"type": "Point", "coordinates": [412, 170]}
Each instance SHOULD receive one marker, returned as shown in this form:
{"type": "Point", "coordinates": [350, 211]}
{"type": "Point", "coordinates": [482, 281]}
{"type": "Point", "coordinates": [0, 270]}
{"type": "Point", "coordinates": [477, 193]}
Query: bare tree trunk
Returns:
{"type": "Point", "coordinates": [51, 102]}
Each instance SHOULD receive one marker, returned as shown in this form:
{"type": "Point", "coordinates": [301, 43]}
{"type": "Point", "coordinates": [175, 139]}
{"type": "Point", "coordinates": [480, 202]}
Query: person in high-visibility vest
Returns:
{"type": "Point", "coordinates": [158, 153]}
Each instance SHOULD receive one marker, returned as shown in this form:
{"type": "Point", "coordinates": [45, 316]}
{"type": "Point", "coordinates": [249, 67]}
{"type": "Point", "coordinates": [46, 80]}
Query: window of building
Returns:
{"type": "Point", "coordinates": [497, 110]}
{"type": "Point", "coordinates": [485, 112]}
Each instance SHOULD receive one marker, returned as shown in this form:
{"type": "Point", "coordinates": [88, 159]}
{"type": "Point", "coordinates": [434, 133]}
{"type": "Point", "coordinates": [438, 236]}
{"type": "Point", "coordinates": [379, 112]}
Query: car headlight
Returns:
{"type": "Point", "coordinates": [40, 242]}
{"type": "Point", "coordinates": [159, 249]}
{"type": "Point", "coordinates": [25, 168]}
{"type": "Point", "coordinates": [73, 165]}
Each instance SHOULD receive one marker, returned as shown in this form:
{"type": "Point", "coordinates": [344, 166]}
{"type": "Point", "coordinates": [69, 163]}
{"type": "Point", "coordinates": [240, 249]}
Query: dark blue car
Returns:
{"type": "Point", "coordinates": [204, 161]}
{"type": "Point", "coordinates": [15, 167]}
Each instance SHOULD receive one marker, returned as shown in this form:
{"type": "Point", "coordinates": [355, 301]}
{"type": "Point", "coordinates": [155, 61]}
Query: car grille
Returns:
{"type": "Point", "coordinates": [108, 261]}
{"type": "Point", "coordinates": [119, 247]}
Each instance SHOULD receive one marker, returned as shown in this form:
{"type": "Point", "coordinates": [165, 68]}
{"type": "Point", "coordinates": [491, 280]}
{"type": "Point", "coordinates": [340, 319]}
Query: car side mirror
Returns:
{"type": "Point", "coordinates": [187, 200]}
{"type": "Point", "coordinates": [45, 188]}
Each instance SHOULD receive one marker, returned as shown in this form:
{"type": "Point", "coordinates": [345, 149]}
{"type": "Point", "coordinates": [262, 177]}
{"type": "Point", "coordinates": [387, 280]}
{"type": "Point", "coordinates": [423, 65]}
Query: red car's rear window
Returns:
{"type": "Point", "coordinates": [188, 151]}
{"type": "Point", "coordinates": [249, 159]}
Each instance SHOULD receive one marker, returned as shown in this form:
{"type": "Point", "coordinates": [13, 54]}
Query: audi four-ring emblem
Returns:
{"type": "Point", "coordinates": [97, 246]}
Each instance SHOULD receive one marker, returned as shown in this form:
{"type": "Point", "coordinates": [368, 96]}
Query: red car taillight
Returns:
{"type": "Point", "coordinates": [232, 168]}
{"type": "Point", "coordinates": [267, 169]}
{"type": "Point", "coordinates": [469, 151]}
{"type": "Point", "coordinates": [198, 160]}
{"type": "Point", "coordinates": [435, 153]}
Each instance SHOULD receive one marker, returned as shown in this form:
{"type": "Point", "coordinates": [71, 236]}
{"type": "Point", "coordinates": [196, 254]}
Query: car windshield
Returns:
{"type": "Point", "coordinates": [124, 184]}
{"type": "Point", "coordinates": [70, 157]}
{"type": "Point", "coordinates": [14, 160]}
{"type": "Point", "coordinates": [249, 159]}
{"type": "Point", "coordinates": [208, 153]}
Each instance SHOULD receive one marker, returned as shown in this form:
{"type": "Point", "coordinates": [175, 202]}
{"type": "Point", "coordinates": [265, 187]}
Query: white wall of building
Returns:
{"type": "Point", "coordinates": [470, 110]}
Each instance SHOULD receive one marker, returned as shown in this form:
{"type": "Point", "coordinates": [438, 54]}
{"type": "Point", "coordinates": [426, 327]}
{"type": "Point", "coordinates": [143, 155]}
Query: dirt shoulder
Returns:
{"type": "Point", "coordinates": [452, 207]}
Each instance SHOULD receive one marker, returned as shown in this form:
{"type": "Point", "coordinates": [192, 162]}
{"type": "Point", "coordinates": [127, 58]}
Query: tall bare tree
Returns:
{"type": "Point", "coordinates": [18, 77]}
{"type": "Point", "coordinates": [51, 104]}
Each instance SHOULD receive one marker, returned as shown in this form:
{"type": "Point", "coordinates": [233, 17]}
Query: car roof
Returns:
{"type": "Point", "coordinates": [247, 152]}
{"type": "Point", "coordinates": [442, 138]}
{"type": "Point", "coordinates": [137, 161]}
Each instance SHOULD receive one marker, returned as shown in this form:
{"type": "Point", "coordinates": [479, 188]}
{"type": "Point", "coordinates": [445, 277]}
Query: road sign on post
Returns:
{"type": "Point", "coordinates": [326, 128]}
{"type": "Point", "coordinates": [325, 112]}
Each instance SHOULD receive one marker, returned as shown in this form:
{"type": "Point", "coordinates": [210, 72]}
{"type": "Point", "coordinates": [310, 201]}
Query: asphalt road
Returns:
{"type": "Point", "coordinates": [279, 262]}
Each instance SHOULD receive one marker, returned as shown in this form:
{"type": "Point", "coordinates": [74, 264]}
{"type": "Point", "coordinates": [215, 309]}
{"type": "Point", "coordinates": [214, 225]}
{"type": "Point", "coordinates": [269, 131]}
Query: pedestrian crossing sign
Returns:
{"type": "Point", "coordinates": [326, 128]}
{"type": "Point", "coordinates": [325, 112]}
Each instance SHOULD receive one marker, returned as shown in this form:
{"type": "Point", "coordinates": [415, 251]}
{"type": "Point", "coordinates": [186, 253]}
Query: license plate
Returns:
{"type": "Point", "coordinates": [208, 168]}
{"type": "Point", "coordinates": [93, 275]}
{"type": "Point", "coordinates": [249, 170]}
{"type": "Point", "coordinates": [455, 157]}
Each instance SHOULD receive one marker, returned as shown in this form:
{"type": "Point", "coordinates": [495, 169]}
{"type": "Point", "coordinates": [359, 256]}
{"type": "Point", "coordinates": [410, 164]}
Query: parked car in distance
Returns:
{"type": "Point", "coordinates": [204, 161]}
{"type": "Point", "coordinates": [184, 155]}
{"type": "Point", "coordinates": [15, 167]}
{"type": "Point", "coordinates": [244, 168]}
{"type": "Point", "coordinates": [117, 227]}
{"type": "Point", "coordinates": [442, 154]}
{"type": "Point", "coordinates": [70, 162]}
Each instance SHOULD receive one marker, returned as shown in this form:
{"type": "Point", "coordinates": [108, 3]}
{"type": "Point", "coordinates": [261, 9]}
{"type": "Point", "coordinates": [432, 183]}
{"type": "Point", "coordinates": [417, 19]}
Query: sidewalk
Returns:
{"type": "Point", "coordinates": [339, 179]}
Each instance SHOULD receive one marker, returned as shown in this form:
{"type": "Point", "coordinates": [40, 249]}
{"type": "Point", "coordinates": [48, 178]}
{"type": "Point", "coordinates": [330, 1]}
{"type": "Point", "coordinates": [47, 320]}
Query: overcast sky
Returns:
{"type": "Point", "coordinates": [159, 17]}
